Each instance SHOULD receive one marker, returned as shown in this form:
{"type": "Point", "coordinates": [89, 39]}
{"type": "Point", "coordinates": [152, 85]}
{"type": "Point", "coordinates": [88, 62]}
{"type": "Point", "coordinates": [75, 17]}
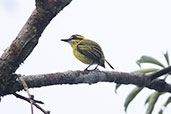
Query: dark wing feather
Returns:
{"type": "Point", "coordinates": [91, 50]}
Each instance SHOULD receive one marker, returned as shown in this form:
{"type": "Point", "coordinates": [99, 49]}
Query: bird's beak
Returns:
{"type": "Point", "coordinates": [65, 40]}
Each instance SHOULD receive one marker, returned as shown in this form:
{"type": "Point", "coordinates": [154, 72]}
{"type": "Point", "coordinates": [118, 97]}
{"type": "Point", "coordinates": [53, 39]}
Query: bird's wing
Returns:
{"type": "Point", "coordinates": [91, 50]}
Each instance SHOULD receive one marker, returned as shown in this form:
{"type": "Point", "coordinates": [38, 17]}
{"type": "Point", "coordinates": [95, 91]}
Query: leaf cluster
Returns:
{"type": "Point", "coordinates": [152, 99]}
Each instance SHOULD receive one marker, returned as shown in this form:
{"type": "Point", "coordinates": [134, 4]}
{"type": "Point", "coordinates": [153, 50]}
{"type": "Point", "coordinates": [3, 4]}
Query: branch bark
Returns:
{"type": "Point", "coordinates": [89, 77]}
{"type": "Point", "coordinates": [28, 38]}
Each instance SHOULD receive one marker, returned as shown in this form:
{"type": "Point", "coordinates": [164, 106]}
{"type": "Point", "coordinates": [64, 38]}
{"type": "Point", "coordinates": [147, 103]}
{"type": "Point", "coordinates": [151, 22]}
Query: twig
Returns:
{"type": "Point", "coordinates": [34, 102]}
{"type": "Point", "coordinates": [31, 97]}
{"type": "Point", "coordinates": [27, 99]}
{"type": "Point", "coordinates": [37, 106]}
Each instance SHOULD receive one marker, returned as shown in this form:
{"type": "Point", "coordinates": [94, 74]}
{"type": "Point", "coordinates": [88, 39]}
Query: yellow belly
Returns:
{"type": "Point", "coordinates": [81, 57]}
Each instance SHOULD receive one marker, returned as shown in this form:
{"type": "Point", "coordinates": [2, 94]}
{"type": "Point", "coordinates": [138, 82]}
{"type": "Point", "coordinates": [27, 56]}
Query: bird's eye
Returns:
{"type": "Point", "coordinates": [75, 38]}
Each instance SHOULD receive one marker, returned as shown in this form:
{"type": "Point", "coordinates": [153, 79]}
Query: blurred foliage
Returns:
{"type": "Point", "coordinates": [152, 99]}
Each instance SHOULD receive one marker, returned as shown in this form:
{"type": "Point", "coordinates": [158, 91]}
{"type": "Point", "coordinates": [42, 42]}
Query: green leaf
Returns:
{"type": "Point", "coordinates": [152, 101]}
{"type": "Point", "coordinates": [161, 111]}
{"type": "Point", "coordinates": [116, 87]}
{"type": "Point", "coordinates": [166, 55]}
{"type": "Point", "coordinates": [131, 96]}
{"type": "Point", "coordinates": [167, 102]}
{"type": "Point", "coordinates": [165, 105]}
{"type": "Point", "coordinates": [165, 76]}
{"type": "Point", "coordinates": [148, 59]}
{"type": "Point", "coordinates": [148, 70]}
{"type": "Point", "coordinates": [148, 99]}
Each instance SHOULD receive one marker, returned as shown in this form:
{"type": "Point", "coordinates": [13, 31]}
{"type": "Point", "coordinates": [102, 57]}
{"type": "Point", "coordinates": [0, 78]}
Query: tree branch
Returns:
{"type": "Point", "coordinates": [160, 73]}
{"type": "Point", "coordinates": [90, 77]}
{"type": "Point", "coordinates": [28, 38]}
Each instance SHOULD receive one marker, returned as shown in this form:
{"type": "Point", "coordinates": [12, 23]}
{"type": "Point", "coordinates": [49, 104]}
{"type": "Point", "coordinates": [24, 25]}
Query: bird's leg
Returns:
{"type": "Point", "coordinates": [96, 67]}
{"type": "Point", "coordinates": [88, 67]}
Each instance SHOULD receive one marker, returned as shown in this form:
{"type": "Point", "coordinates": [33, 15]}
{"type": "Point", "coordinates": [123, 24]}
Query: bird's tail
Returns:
{"type": "Point", "coordinates": [109, 64]}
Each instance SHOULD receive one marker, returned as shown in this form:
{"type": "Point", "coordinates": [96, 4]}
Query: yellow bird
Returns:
{"type": "Point", "coordinates": [87, 51]}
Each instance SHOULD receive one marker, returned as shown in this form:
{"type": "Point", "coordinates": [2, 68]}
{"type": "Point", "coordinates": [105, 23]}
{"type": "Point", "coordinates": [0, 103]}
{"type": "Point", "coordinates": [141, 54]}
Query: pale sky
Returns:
{"type": "Point", "coordinates": [125, 29]}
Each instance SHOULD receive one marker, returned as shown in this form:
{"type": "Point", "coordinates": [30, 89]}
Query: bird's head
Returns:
{"type": "Point", "coordinates": [74, 39]}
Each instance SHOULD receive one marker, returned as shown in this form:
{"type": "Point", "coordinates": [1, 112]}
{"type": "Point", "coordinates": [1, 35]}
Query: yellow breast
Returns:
{"type": "Point", "coordinates": [81, 57]}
